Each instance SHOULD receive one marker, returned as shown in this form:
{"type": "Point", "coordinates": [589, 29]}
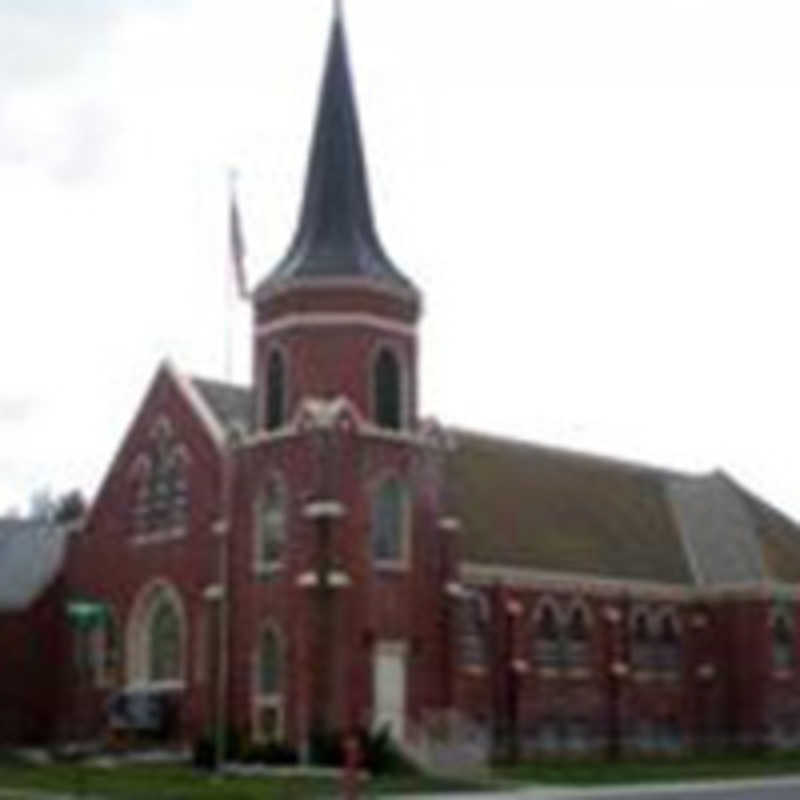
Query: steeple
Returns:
{"type": "Point", "coordinates": [336, 236]}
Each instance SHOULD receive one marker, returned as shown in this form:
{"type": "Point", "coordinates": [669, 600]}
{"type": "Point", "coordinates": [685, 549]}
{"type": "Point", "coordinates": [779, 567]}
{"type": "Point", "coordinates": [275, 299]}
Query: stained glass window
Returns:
{"type": "Point", "coordinates": [782, 642]}
{"type": "Point", "coordinates": [577, 649]}
{"type": "Point", "coordinates": [474, 631]}
{"type": "Point", "coordinates": [162, 490]}
{"type": "Point", "coordinates": [271, 522]}
{"type": "Point", "coordinates": [547, 640]}
{"type": "Point", "coordinates": [388, 521]}
{"type": "Point", "coordinates": [164, 632]}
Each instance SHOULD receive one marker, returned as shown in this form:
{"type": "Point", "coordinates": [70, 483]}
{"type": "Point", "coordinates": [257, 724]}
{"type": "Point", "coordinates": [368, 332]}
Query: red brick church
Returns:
{"type": "Point", "coordinates": [307, 554]}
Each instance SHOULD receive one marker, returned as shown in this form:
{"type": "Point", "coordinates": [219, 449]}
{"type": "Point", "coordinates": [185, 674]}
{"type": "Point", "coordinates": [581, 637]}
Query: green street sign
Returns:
{"type": "Point", "coordinates": [86, 614]}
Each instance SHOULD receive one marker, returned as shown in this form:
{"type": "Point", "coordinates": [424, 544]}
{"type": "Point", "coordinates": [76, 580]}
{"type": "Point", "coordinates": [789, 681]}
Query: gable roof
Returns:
{"type": "Point", "coordinates": [232, 406]}
{"type": "Point", "coordinates": [524, 505]}
{"type": "Point", "coordinates": [31, 555]}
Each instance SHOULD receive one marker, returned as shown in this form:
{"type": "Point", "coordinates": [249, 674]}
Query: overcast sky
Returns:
{"type": "Point", "coordinates": [600, 201]}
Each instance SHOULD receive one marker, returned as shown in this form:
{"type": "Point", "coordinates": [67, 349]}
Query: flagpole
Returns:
{"type": "Point", "coordinates": [229, 299]}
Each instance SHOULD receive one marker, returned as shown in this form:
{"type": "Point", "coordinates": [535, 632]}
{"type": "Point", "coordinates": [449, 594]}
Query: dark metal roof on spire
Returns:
{"type": "Point", "coordinates": [336, 236]}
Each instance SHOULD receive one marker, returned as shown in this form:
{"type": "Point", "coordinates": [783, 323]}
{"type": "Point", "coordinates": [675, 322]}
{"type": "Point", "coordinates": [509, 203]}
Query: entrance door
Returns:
{"type": "Point", "coordinates": [389, 688]}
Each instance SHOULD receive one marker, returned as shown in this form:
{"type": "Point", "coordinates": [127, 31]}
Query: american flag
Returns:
{"type": "Point", "coordinates": [237, 247]}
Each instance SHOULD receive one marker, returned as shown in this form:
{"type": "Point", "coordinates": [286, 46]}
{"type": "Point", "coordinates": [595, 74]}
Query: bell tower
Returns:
{"type": "Point", "coordinates": [336, 317]}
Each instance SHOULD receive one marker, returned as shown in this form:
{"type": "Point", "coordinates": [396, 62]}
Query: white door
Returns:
{"type": "Point", "coordinates": [389, 688]}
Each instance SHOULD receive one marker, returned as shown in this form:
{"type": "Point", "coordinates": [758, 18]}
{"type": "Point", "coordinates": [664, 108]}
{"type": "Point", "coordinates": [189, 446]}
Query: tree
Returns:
{"type": "Point", "coordinates": [70, 507]}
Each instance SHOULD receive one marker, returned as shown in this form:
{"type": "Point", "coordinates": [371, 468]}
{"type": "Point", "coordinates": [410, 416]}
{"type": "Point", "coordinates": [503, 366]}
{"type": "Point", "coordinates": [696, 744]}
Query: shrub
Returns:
{"type": "Point", "coordinates": [204, 752]}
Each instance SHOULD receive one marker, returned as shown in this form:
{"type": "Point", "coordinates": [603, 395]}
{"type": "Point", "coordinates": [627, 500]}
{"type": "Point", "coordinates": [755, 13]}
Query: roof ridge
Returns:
{"type": "Point", "coordinates": [756, 503]}
{"type": "Point", "coordinates": [597, 458]}
{"type": "Point", "coordinates": [221, 383]}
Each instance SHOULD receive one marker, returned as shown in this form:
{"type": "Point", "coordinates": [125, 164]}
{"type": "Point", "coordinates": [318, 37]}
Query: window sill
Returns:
{"type": "Point", "coordinates": [392, 566]}
{"type": "Point", "coordinates": [158, 537]}
{"type": "Point", "coordinates": [784, 674]}
{"type": "Point", "coordinates": [157, 687]}
{"type": "Point", "coordinates": [268, 569]}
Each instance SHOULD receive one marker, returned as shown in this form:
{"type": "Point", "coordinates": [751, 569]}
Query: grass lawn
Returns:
{"type": "Point", "coordinates": [180, 783]}
{"type": "Point", "coordinates": [681, 769]}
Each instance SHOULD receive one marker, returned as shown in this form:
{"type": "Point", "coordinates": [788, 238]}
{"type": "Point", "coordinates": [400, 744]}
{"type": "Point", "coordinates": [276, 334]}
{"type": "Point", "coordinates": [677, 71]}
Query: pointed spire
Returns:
{"type": "Point", "coordinates": [336, 234]}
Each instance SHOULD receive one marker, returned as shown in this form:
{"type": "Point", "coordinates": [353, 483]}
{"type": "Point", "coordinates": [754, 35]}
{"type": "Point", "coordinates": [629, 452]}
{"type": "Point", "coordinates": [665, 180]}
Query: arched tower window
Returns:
{"type": "Point", "coordinates": [267, 705]}
{"type": "Point", "coordinates": [387, 384]}
{"type": "Point", "coordinates": [275, 407]}
{"type": "Point", "coordinates": [271, 511]}
{"type": "Point", "coordinates": [389, 522]}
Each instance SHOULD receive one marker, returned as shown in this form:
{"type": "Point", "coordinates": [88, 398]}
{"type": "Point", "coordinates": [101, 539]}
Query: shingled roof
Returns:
{"type": "Point", "coordinates": [31, 554]}
{"type": "Point", "coordinates": [524, 505]}
{"type": "Point", "coordinates": [231, 405]}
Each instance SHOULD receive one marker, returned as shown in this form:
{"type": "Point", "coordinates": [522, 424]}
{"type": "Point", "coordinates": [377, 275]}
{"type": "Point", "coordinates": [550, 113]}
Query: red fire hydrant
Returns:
{"type": "Point", "coordinates": [352, 760]}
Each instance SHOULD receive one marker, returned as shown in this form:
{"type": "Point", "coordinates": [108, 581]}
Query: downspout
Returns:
{"type": "Point", "coordinates": [222, 529]}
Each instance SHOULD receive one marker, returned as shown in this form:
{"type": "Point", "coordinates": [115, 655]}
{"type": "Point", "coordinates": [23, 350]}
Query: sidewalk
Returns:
{"type": "Point", "coordinates": [683, 791]}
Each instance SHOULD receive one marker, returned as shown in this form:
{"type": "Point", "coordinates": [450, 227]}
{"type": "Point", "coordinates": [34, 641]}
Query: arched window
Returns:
{"type": "Point", "coordinates": [389, 522]}
{"type": "Point", "coordinates": [164, 640]}
{"type": "Point", "coordinates": [547, 641]}
{"type": "Point", "coordinates": [577, 650]}
{"type": "Point", "coordinates": [387, 401]}
{"type": "Point", "coordinates": [783, 656]}
{"type": "Point", "coordinates": [161, 500]}
{"type": "Point", "coordinates": [275, 409]}
{"type": "Point", "coordinates": [271, 515]}
{"type": "Point", "coordinates": [668, 648]}
{"type": "Point", "coordinates": [641, 644]}
{"type": "Point", "coordinates": [267, 706]}
{"type": "Point", "coordinates": [474, 630]}
{"type": "Point", "coordinates": [156, 636]}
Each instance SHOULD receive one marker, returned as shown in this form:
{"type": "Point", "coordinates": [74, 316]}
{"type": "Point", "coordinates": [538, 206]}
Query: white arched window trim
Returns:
{"type": "Point", "coordinates": [138, 638]}
{"type": "Point", "coordinates": [406, 523]}
{"type": "Point", "coordinates": [273, 701]}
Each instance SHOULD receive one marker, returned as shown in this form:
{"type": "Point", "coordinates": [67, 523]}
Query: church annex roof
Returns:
{"type": "Point", "coordinates": [336, 235]}
{"type": "Point", "coordinates": [231, 405]}
{"type": "Point", "coordinates": [553, 510]}
{"type": "Point", "coordinates": [31, 555]}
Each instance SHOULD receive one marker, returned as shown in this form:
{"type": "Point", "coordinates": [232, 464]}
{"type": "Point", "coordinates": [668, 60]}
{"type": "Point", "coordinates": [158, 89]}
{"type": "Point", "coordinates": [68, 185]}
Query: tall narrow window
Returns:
{"type": "Point", "coordinates": [389, 514]}
{"type": "Point", "coordinates": [547, 641]}
{"type": "Point", "coordinates": [783, 656]}
{"type": "Point", "coordinates": [577, 639]}
{"type": "Point", "coordinates": [268, 688]}
{"type": "Point", "coordinates": [275, 411]}
{"type": "Point", "coordinates": [271, 524]}
{"type": "Point", "coordinates": [474, 632]}
{"type": "Point", "coordinates": [388, 390]}
{"type": "Point", "coordinates": [164, 641]}
{"type": "Point", "coordinates": [641, 645]}
{"type": "Point", "coordinates": [668, 648]}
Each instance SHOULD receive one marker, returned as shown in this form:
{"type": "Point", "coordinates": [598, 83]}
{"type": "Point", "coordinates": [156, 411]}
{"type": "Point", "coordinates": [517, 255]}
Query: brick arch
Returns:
{"type": "Point", "coordinates": [137, 645]}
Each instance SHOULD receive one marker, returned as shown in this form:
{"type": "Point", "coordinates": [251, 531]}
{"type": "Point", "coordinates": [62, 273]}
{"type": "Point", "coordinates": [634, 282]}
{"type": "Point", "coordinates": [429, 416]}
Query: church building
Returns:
{"type": "Point", "coordinates": [307, 554]}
